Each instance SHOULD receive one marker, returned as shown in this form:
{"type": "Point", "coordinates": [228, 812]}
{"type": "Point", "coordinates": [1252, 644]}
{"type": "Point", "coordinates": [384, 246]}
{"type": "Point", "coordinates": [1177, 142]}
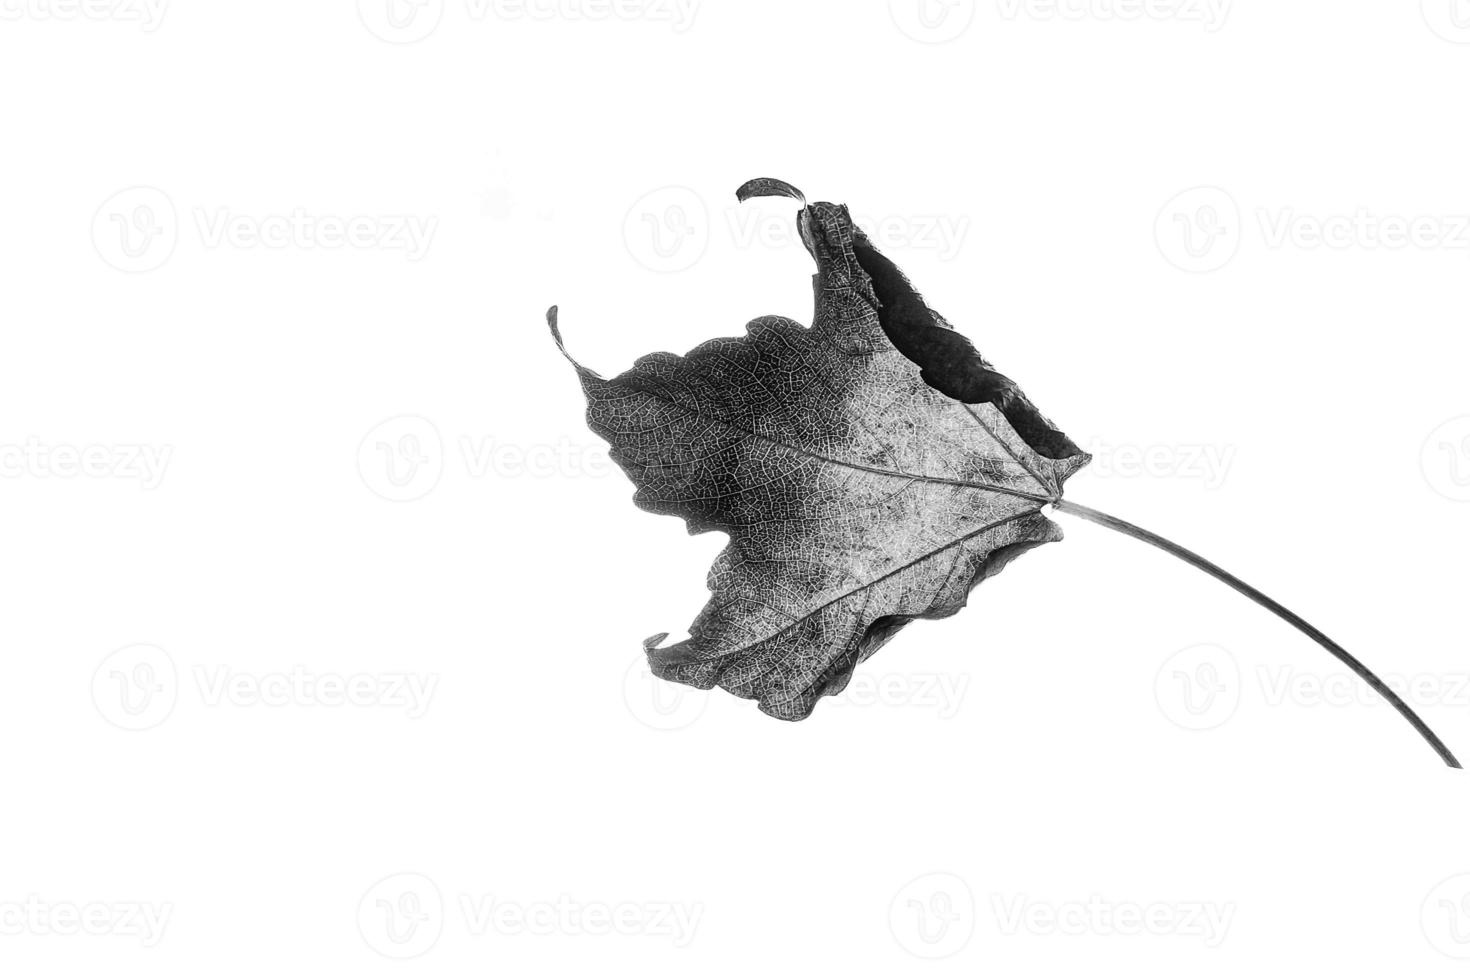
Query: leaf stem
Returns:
{"type": "Point", "coordinates": [1250, 592]}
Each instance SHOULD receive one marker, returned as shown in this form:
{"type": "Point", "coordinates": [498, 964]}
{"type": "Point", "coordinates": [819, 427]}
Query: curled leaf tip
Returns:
{"type": "Point", "coordinates": [553, 323]}
{"type": "Point", "coordinates": [768, 187]}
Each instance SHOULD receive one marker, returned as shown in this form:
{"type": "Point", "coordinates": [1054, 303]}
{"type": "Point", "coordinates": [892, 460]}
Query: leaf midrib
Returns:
{"type": "Point", "coordinates": [877, 470]}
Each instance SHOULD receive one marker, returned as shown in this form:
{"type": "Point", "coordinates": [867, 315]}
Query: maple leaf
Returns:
{"type": "Point", "coordinates": [857, 496]}
{"type": "Point", "coordinates": [870, 470]}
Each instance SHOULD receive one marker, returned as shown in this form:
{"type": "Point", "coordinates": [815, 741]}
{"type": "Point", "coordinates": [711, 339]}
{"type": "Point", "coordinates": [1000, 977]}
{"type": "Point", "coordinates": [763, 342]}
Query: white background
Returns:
{"type": "Point", "coordinates": [1181, 226]}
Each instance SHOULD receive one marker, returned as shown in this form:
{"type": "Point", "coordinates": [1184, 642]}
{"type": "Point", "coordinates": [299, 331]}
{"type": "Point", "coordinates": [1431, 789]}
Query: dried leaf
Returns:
{"type": "Point", "coordinates": [869, 470]}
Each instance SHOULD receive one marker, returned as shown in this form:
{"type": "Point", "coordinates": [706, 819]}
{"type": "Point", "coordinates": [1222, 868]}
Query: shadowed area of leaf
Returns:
{"type": "Point", "coordinates": [946, 358]}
